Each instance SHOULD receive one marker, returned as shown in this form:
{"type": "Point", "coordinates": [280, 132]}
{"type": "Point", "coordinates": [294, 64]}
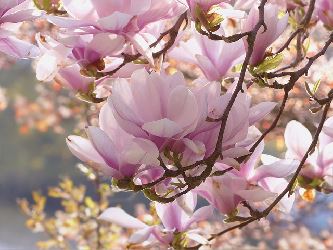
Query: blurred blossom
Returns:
{"type": "Point", "coordinates": [325, 12]}
{"type": "Point", "coordinates": [3, 99]}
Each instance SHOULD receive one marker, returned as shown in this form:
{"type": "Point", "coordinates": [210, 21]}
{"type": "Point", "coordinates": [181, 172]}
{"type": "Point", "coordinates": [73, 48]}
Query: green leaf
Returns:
{"type": "Point", "coordinates": [37, 4]}
{"type": "Point", "coordinates": [237, 68]}
{"type": "Point", "coordinates": [314, 89]}
{"type": "Point", "coordinates": [316, 86]}
{"type": "Point", "coordinates": [215, 21]}
{"type": "Point", "coordinates": [269, 63]}
{"type": "Point", "coordinates": [47, 4]}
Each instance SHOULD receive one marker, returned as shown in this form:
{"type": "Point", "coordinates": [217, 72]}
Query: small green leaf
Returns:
{"type": "Point", "coordinates": [141, 61]}
{"type": "Point", "coordinates": [269, 63]}
{"type": "Point", "coordinates": [215, 20]}
{"type": "Point", "coordinates": [316, 86]}
{"type": "Point", "coordinates": [37, 4]}
{"type": "Point", "coordinates": [237, 68]}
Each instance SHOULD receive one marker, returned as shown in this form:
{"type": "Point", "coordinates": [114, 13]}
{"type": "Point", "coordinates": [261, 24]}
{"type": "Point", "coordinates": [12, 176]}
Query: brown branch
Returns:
{"type": "Point", "coordinates": [302, 28]}
{"type": "Point", "coordinates": [304, 70]}
{"type": "Point", "coordinates": [227, 39]}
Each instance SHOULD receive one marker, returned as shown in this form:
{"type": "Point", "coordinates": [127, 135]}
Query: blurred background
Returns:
{"type": "Point", "coordinates": [34, 122]}
{"type": "Point", "coordinates": [29, 160]}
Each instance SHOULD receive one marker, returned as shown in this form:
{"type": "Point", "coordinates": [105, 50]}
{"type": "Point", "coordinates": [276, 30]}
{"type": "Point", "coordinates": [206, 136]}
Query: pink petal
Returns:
{"type": "Point", "coordinates": [255, 195]}
{"type": "Point", "coordinates": [17, 48]}
{"type": "Point", "coordinates": [297, 139]}
{"type": "Point", "coordinates": [46, 68]}
{"type": "Point", "coordinates": [115, 22]}
{"type": "Point", "coordinates": [104, 146]}
{"type": "Point", "coordinates": [143, 47]}
{"type": "Point", "coordinates": [162, 128]}
{"type": "Point", "coordinates": [260, 110]}
{"type": "Point", "coordinates": [83, 149]}
{"type": "Point", "coordinates": [119, 217]}
{"type": "Point", "coordinates": [141, 151]}
{"type": "Point", "coordinates": [208, 68]}
{"type": "Point", "coordinates": [279, 169]}
{"type": "Point", "coordinates": [170, 215]}
{"type": "Point", "coordinates": [182, 107]}
{"type": "Point", "coordinates": [201, 214]}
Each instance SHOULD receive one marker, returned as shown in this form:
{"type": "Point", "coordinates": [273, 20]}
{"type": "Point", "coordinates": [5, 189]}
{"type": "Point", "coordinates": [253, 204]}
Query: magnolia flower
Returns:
{"type": "Point", "coordinates": [72, 78]}
{"type": "Point", "coordinates": [324, 10]}
{"type": "Point", "coordinates": [54, 56]}
{"type": "Point", "coordinates": [319, 165]}
{"type": "Point", "coordinates": [15, 11]}
{"type": "Point", "coordinates": [176, 219]}
{"type": "Point", "coordinates": [174, 116]}
{"type": "Point", "coordinates": [239, 131]}
{"type": "Point", "coordinates": [170, 112]}
{"type": "Point", "coordinates": [248, 183]}
{"type": "Point", "coordinates": [125, 17]}
{"type": "Point", "coordinates": [117, 16]}
{"type": "Point", "coordinates": [275, 27]}
{"type": "Point", "coordinates": [94, 53]}
{"type": "Point", "coordinates": [268, 177]}
{"type": "Point", "coordinates": [214, 58]}
{"type": "Point", "coordinates": [220, 192]}
{"type": "Point", "coordinates": [111, 150]}
{"type": "Point", "coordinates": [90, 50]}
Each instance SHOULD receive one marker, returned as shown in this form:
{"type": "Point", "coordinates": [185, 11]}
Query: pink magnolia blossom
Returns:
{"type": "Point", "coordinates": [174, 116]}
{"type": "Point", "coordinates": [111, 150]}
{"type": "Point", "coordinates": [239, 130]}
{"type": "Point", "coordinates": [90, 49]}
{"type": "Point", "coordinates": [93, 53]}
{"type": "Point", "coordinates": [15, 11]}
{"type": "Point", "coordinates": [171, 111]}
{"type": "Point", "coordinates": [324, 10]}
{"type": "Point", "coordinates": [220, 192]}
{"type": "Point", "coordinates": [72, 78]}
{"type": "Point", "coordinates": [118, 16]}
{"type": "Point", "coordinates": [275, 27]}
{"type": "Point", "coordinates": [54, 56]}
{"type": "Point", "coordinates": [176, 217]}
{"type": "Point", "coordinates": [212, 57]}
{"type": "Point", "coordinates": [123, 17]}
{"type": "Point", "coordinates": [320, 163]}
{"type": "Point", "coordinates": [248, 183]}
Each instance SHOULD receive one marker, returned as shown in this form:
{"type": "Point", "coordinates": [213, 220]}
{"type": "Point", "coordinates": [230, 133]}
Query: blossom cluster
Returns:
{"type": "Point", "coordinates": [172, 137]}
